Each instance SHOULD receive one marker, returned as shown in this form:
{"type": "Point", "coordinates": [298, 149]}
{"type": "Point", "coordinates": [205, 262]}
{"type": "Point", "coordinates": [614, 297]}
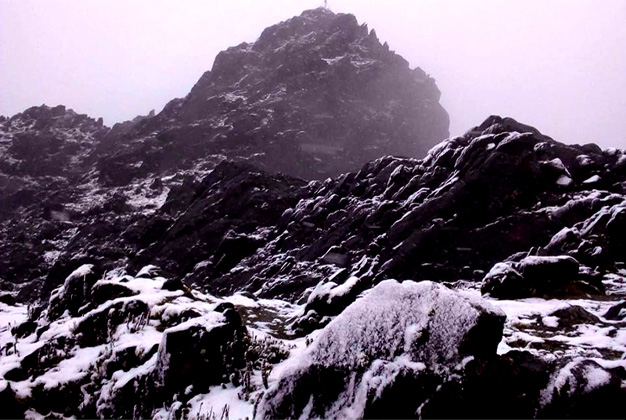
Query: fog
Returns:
{"type": "Point", "coordinates": [559, 65]}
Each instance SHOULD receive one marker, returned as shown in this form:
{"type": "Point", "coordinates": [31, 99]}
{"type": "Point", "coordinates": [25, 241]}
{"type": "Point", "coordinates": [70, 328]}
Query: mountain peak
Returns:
{"type": "Point", "coordinates": [314, 96]}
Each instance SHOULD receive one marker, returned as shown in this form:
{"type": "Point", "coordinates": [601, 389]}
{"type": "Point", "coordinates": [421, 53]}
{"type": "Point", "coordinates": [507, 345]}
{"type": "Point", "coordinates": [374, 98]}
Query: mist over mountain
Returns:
{"type": "Point", "coordinates": [297, 237]}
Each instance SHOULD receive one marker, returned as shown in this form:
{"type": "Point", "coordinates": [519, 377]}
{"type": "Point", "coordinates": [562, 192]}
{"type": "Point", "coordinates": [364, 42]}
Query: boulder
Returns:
{"type": "Point", "coordinates": [200, 352]}
{"type": "Point", "coordinates": [574, 315]}
{"type": "Point", "coordinates": [539, 276]}
{"type": "Point", "coordinates": [399, 335]}
{"type": "Point", "coordinates": [7, 298]}
{"type": "Point", "coordinates": [583, 388]}
{"type": "Point", "coordinates": [104, 291]}
{"type": "Point", "coordinates": [558, 270]}
{"type": "Point", "coordinates": [505, 282]}
{"type": "Point", "coordinates": [97, 326]}
{"type": "Point", "coordinates": [74, 293]}
{"type": "Point", "coordinates": [506, 387]}
{"type": "Point", "coordinates": [616, 312]}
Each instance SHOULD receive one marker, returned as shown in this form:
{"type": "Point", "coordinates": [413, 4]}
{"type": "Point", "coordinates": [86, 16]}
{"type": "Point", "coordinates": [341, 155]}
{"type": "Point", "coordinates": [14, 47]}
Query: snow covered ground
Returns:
{"type": "Point", "coordinates": [531, 325]}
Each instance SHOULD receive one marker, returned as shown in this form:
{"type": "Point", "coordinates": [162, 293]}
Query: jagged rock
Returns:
{"type": "Point", "coordinates": [404, 330]}
{"type": "Point", "coordinates": [471, 203]}
{"type": "Point", "coordinates": [220, 220]}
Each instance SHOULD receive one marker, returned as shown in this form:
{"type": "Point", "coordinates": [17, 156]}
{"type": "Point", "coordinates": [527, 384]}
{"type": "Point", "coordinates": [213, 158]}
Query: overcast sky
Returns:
{"type": "Point", "coordinates": [559, 65]}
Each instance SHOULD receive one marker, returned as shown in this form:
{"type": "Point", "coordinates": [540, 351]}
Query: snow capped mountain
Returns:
{"type": "Point", "coordinates": [180, 266]}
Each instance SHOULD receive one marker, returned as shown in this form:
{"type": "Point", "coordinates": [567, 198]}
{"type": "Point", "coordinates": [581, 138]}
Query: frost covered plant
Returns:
{"type": "Point", "coordinates": [138, 323]}
{"type": "Point", "coordinates": [10, 347]}
{"type": "Point", "coordinates": [212, 415]}
{"type": "Point", "coordinates": [266, 351]}
{"type": "Point", "coordinates": [262, 354]}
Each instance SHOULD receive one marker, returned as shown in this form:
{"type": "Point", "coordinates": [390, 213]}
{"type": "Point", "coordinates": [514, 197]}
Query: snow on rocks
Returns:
{"type": "Point", "coordinates": [117, 354]}
{"type": "Point", "coordinates": [397, 329]}
{"type": "Point", "coordinates": [538, 276]}
{"type": "Point", "coordinates": [585, 388]}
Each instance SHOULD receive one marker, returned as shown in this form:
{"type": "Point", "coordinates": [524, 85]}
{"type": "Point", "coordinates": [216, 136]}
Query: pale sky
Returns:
{"type": "Point", "coordinates": [559, 65]}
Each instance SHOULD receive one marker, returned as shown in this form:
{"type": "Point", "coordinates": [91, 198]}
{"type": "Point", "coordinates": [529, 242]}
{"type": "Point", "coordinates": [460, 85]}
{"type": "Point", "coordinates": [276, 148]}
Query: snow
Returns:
{"type": "Point", "coordinates": [595, 378]}
{"type": "Point", "coordinates": [147, 271]}
{"type": "Point", "coordinates": [217, 399]}
{"type": "Point", "coordinates": [564, 181]}
{"type": "Point", "coordinates": [550, 321]}
{"type": "Point", "coordinates": [121, 378]}
{"type": "Point", "coordinates": [51, 256]}
{"type": "Point", "coordinates": [344, 289]}
{"type": "Point", "coordinates": [334, 60]}
{"type": "Point", "coordinates": [80, 272]}
{"type": "Point", "coordinates": [376, 325]}
{"type": "Point", "coordinates": [592, 179]}
{"type": "Point", "coordinates": [70, 370]}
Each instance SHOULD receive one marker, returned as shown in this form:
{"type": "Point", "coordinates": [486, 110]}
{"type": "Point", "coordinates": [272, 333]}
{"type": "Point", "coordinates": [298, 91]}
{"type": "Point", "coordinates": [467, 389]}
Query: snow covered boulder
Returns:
{"type": "Point", "coordinates": [104, 291]}
{"type": "Point", "coordinates": [505, 282]}
{"type": "Point", "coordinates": [538, 276]}
{"type": "Point", "coordinates": [399, 336]}
{"type": "Point", "coordinates": [74, 293]}
{"type": "Point", "coordinates": [98, 326]}
{"type": "Point", "coordinates": [329, 299]}
{"type": "Point", "coordinates": [582, 388]}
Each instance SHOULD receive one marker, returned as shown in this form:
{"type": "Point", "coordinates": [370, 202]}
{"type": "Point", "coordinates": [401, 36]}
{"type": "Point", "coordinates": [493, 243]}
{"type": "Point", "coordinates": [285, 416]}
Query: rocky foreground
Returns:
{"type": "Point", "coordinates": [511, 300]}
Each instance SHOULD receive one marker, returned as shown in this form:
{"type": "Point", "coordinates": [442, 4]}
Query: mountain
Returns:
{"type": "Point", "coordinates": [179, 266]}
{"type": "Point", "coordinates": [315, 96]}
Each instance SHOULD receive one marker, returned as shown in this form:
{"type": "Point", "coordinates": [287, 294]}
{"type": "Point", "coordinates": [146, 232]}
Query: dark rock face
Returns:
{"type": "Point", "coordinates": [218, 221]}
{"type": "Point", "coordinates": [44, 141]}
{"type": "Point", "coordinates": [200, 356]}
{"type": "Point", "coordinates": [314, 96]}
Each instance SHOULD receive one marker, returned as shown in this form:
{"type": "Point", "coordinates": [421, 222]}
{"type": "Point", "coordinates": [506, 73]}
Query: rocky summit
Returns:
{"type": "Point", "coordinates": [296, 239]}
{"type": "Point", "coordinates": [315, 96]}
